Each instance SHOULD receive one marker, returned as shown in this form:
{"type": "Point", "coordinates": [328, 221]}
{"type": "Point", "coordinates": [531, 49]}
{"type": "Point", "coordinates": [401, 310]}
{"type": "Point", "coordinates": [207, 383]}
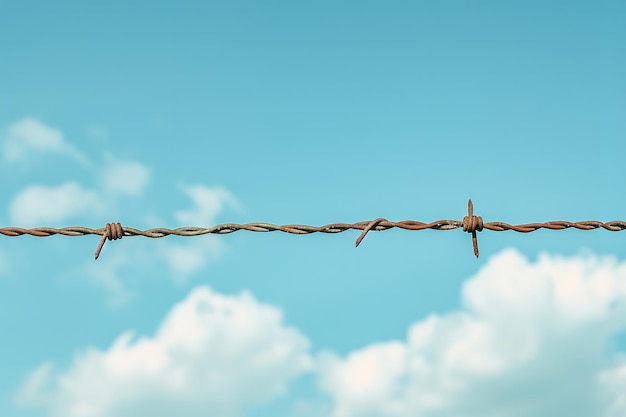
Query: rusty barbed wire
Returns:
{"type": "Point", "coordinates": [470, 224]}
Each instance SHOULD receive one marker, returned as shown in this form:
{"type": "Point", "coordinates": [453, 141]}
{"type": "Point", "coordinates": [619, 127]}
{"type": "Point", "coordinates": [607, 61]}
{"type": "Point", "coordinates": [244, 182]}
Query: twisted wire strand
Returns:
{"type": "Point", "coordinates": [299, 229]}
{"type": "Point", "coordinates": [470, 224]}
{"type": "Point", "coordinates": [223, 229]}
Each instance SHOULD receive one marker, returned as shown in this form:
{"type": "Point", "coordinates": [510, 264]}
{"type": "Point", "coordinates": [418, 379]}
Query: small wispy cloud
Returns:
{"type": "Point", "coordinates": [29, 136]}
{"type": "Point", "coordinates": [125, 178]}
{"type": "Point", "coordinates": [185, 259]}
{"type": "Point", "coordinates": [208, 203]}
{"type": "Point", "coordinates": [43, 204]}
{"type": "Point", "coordinates": [55, 205]}
{"type": "Point", "coordinates": [39, 205]}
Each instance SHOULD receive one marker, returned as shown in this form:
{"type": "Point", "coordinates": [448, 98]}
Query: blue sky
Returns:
{"type": "Point", "coordinates": [312, 112]}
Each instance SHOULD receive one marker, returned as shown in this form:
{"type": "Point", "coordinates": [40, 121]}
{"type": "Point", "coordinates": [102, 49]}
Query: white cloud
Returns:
{"type": "Point", "coordinates": [29, 136]}
{"type": "Point", "coordinates": [533, 339]}
{"type": "Point", "coordinates": [40, 205]}
{"type": "Point", "coordinates": [209, 202]}
{"type": "Point", "coordinates": [212, 355]}
{"type": "Point", "coordinates": [129, 178]}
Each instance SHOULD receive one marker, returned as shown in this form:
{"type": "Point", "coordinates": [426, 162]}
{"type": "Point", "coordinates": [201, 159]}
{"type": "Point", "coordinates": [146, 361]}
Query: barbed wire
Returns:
{"type": "Point", "coordinates": [470, 224]}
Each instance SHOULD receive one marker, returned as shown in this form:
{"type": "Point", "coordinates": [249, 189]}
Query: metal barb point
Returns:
{"type": "Point", "coordinates": [470, 210]}
{"type": "Point", "coordinates": [100, 246]}
{"type": "Point", "coordinates": [472, 224]}
{"type": "Point", "coordinates": [369, 227]}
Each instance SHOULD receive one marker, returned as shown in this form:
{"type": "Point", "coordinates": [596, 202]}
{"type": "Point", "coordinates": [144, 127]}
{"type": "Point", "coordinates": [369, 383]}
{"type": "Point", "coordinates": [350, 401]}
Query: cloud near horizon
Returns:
{"type": "Point", "coordinates": [213, 354]}
{"type": "Point", "coordinates": [532, 338]}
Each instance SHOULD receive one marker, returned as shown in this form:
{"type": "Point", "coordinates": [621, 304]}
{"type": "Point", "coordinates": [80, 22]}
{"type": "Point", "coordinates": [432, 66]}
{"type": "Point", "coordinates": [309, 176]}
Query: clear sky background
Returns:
{"type": "Point", "coordinates": [199, 113]}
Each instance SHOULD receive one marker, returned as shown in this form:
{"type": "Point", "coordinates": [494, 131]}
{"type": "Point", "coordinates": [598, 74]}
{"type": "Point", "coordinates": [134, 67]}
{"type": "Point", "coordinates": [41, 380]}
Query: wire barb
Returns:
{"type": "Point", "coordinates": [472, 224]}
{"type": "Point", "coordinates": [112, 231]}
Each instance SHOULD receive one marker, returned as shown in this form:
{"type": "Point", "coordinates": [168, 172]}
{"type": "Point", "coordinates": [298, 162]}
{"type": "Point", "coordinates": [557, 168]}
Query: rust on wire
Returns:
{"type": "Point", "coordinates": [470, 224]}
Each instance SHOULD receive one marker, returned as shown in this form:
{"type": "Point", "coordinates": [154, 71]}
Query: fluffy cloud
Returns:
{"type": "Point", "coordinates": [532, 339]}
{"type": "Point", "coordinates": [212, 355]}
{"type": "Point", "coordinates": [29, 136]}
{"type": "Point", "coordinates": [127, 178]}
{"type": "Point", "coordinates": [40, 205]}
